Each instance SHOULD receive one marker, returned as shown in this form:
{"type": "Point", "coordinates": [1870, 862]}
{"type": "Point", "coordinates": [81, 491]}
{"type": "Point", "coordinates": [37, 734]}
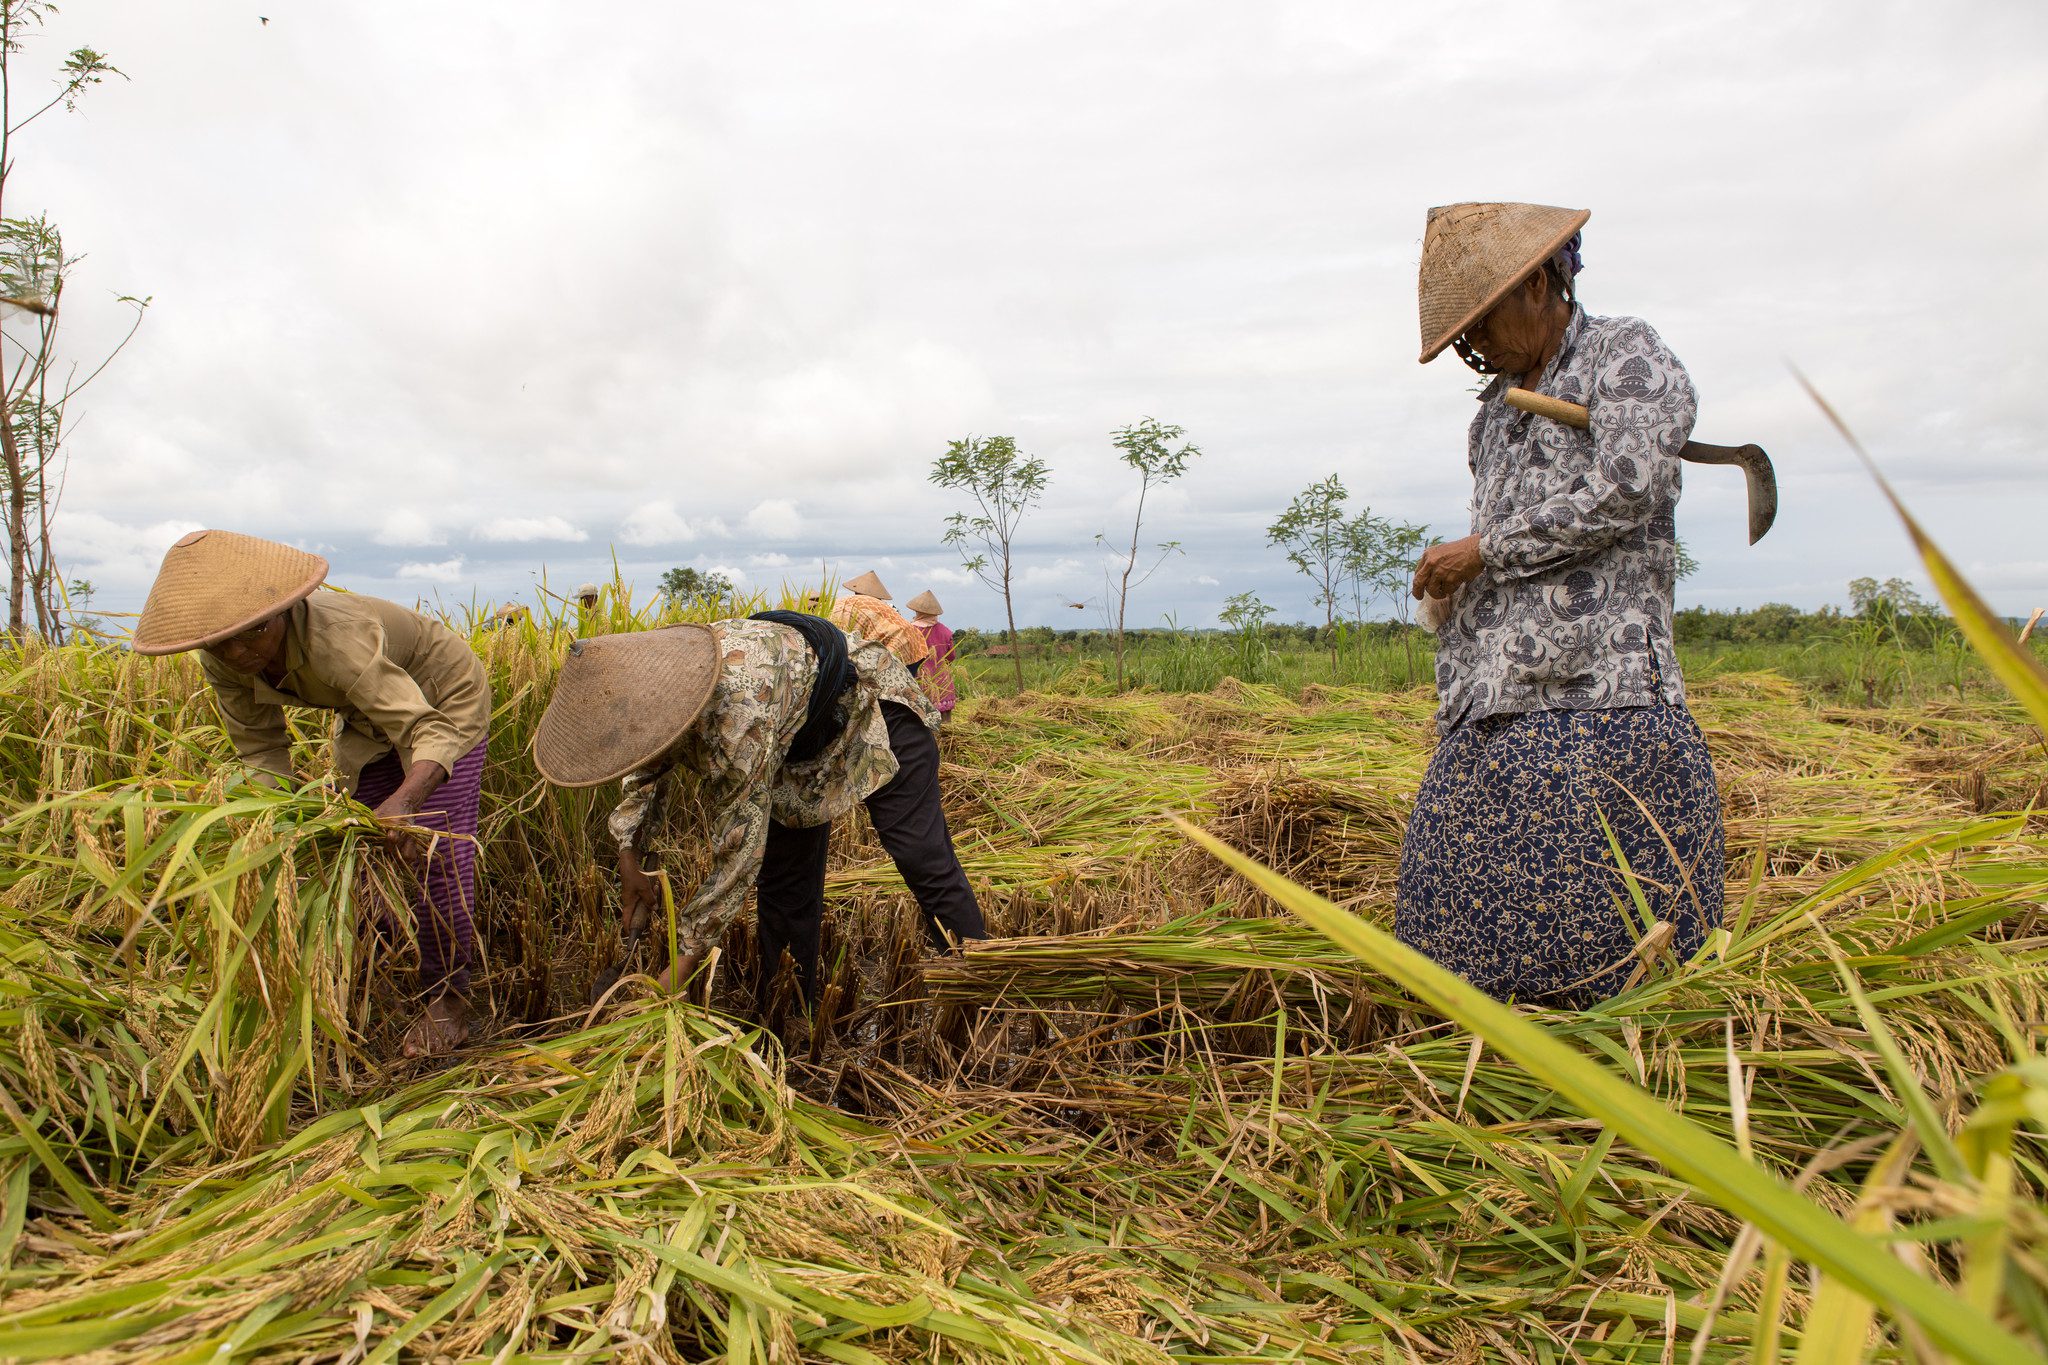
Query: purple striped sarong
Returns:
{"type": "Point", "coordinates": [441, 911]}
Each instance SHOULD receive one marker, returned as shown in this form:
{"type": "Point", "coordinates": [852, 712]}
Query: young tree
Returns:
{"type": "Point", "coordinates": [687, 587]}
{"type": "Point", "coordinates": [1245, 617]}
{"type": "Point", "coordinates": [1004, 485]}
{"type": "Point", "coordinates": [1147, 447]}
{"type": "Point", "coordinates": [35, 390]}
{"type": "Point", "coordinates": [1360, 562]}
{"type": "Point", "coordinates": [1311, 530]}
{"type": "Point", "coordinates": [1891, 599]}
{"type": "Point", "coordinates": [1379, 560]}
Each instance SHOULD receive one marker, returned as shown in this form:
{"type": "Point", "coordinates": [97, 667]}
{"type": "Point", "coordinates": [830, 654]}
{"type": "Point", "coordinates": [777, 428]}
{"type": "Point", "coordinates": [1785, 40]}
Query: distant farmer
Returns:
{"type": "Point", "coordinates": [740, 743]}
{"type": "Point", "coordinates": [862, 608]}
{"type": "Point", "coordinates": [508, 616]}
{"type": "Point", "coordinates": [413, 711]}
{"type": "Point", "coordinates": [937, 674]}
{"type": "Point", "coordinates": [1560, 700]}
{"type": "Point", "coordinates": [588, 621]}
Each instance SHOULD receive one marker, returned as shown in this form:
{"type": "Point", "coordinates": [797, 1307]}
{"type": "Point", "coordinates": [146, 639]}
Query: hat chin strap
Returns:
{"type": "Point", "coordinates": [1478, 362]}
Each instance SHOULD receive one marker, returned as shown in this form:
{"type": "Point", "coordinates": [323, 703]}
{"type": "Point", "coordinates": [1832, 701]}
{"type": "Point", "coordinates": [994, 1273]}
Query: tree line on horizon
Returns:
{"type": "Point", "coordinates": [1360, 558]}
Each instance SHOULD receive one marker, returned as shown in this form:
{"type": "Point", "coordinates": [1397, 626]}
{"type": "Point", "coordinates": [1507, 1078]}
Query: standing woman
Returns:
{"type": "Point", "coordinates": [937, 674]}
{"type": "Point", "coordinates": [1561, 710]}
{"type": "Point", "coordinates": [413, 715]}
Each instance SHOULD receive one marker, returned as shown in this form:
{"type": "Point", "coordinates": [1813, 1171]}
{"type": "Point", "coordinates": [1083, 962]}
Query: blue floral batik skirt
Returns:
{"type": "Point", "coordinates": [1507, 876]}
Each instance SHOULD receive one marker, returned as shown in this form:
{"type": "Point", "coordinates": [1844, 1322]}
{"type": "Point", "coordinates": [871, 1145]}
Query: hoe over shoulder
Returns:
{"type": "Point", "coordinates": [1750, 459]}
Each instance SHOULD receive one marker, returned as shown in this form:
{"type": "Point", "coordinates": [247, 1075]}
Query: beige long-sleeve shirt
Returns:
{"type": "Point", "coordinates": [395, 679]}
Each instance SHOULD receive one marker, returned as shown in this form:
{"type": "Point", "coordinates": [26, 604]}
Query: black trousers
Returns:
{"type": "Point", "coordinates": [912, 827]}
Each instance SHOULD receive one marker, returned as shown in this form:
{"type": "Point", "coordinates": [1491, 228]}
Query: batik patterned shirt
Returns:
{"type": "Point", "coordinates": [1577, 534]}
{"type": "Point", "coordinates": [702, 811]}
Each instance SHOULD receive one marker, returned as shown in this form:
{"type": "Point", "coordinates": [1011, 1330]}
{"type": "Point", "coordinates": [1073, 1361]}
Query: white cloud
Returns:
{"type": "Point", "coordinates": [655, 523]}
{"type": "Point", "coordinates": [2029, 574]}
{"type": "Point", "coordinates": [1059, 573]}
{"type": "Point", "coordinates": [1205, 581]}
{"type": "Point", "coordinates": [772, 560]}
{"type": "Point", "coordinates": [520, 530]}
{"type": "Point", "coordinates": [406, 528]}
{"type": "Point", "coordinates": [439, 571]}
{"type": "Point", "coordinates": [118, 559]}
{"type": "Point", "coordinates": [774, 519]}
{"type": "Point", "coordinates": [720, 345]}
{"type": "Point", "coordinates": [97, 538]}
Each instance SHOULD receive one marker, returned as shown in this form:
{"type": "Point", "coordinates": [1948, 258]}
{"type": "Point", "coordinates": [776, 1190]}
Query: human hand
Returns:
{"type": "Point", "coordinates": [403, 839]}
{"type": "Point", "coordinates": [679, 971]}
{"type": "Point", "coordinates": [1446, 568]}
{"type": "Point", "coordinates": [638, 894]}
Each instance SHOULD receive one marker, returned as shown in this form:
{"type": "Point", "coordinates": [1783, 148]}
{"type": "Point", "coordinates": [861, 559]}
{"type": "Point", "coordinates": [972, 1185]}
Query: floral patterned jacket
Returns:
{"type": "Point", "coordinates": [702, 812]}
{"type": "Point", "coordinates": [1573, 607]}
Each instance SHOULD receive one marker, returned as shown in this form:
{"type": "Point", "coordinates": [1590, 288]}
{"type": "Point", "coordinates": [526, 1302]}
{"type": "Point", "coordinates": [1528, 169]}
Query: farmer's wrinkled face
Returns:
{"type": "Point", "coordinates": [255, 649]}
{"type": "Point", "coordinates": [1522, 329]}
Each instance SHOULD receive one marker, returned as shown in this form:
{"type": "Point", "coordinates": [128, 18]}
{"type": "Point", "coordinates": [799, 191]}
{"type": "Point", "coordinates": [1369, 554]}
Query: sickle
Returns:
{"type": "Point", "coordinates": [1751, 459]}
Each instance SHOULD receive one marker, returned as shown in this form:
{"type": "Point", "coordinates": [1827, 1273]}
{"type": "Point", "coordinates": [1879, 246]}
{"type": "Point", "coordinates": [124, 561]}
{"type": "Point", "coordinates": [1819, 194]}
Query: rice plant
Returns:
{"type": "Point", "coordinates": [1193, 1104]}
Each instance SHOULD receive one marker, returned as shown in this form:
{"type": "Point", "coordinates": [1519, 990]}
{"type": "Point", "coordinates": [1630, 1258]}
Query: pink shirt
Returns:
{"type": "Point", "coordinates": [937, 673]}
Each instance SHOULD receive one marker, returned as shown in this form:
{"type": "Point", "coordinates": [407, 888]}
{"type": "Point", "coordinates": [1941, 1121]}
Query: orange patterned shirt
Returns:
{"type": "Point", "coordinates": [873, 619]}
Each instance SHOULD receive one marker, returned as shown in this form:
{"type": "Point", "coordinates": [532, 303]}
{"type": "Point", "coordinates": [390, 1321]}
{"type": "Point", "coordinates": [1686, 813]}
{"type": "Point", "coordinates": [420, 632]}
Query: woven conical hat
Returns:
{"type": "Point", "coordinates": [215, 584]}
{"type": "Point", "coordinates": [622, 700]}
{"type": "Point", "coordinates": [924, 604]}
{"type": "Point", "coordinates": [1473, 254]}
{"type": "Point", "coordinates": [867, 585]}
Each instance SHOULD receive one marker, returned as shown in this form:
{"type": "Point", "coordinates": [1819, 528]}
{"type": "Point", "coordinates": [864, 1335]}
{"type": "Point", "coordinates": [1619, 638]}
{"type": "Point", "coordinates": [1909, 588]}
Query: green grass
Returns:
{"type": "Point", "coordinates": [1849, 671]}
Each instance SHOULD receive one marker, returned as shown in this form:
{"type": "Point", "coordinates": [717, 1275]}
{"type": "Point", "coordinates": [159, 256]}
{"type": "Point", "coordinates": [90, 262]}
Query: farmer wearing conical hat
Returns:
{"type": "Point", "coordinates": [739, 743]}
{"type": "Point", "coordinates": [413, 711]}
{"type": "Point", "coordinates": [862, 608]}
{"type": "Point", "coordinates": [586, 596]}
{"type": "Point", "coordinates": [937, 674]}
{"type": "Point", "coordinates": [1560, 701]}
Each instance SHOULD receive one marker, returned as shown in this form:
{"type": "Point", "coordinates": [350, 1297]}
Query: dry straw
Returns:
{"type": "Point", "coordinates": [1162, 1121]}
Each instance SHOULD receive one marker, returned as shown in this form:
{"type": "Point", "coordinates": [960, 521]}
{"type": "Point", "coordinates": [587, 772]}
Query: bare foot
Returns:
{"type": "Point", "coordinates": [442, 1027]}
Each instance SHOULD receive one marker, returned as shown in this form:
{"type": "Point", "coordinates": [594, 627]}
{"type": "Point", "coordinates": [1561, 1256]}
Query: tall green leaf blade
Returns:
{"type": "Point", "coordinates": [2001, 651]}
{"type": "Point", "coordinates": [1713, 1168]}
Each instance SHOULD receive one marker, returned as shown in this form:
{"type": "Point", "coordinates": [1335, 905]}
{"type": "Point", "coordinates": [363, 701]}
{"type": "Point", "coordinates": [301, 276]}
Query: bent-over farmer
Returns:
{"type": "Point", "coordinates": [864, 608]}
{"type": "Point", "coordinates": [1560, 700]}
{"type": "Point", "coordinates": [413, 712]}
{"type": "Point", "coordinates": [740, 743]}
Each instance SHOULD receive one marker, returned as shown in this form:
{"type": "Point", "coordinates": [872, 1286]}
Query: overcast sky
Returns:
{"type": "Point", "coordinates": [455, 291]}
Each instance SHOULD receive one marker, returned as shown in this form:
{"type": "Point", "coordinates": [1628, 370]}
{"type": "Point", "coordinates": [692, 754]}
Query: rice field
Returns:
{"type": "Point", "coordinates": [1179, 1110]}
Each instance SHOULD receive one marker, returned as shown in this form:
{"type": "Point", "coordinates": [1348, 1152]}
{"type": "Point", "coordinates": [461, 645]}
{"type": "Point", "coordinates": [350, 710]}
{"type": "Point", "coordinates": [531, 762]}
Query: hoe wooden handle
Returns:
{"type": "Point", "coordinates": [1556, 409]}
{"type": "Point", "coordinates": [1750, 459]}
